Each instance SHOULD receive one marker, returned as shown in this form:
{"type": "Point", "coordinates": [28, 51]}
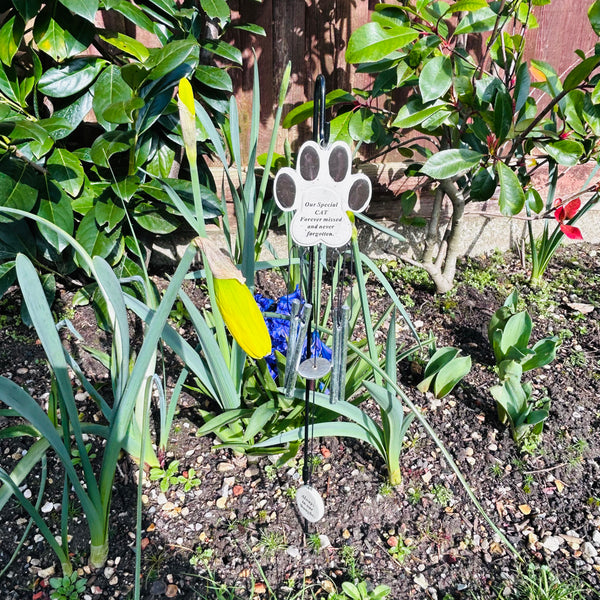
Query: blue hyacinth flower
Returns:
{"type": "Point", "coordinates": [279, 329]}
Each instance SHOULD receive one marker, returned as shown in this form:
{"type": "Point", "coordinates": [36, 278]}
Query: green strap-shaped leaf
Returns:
{"type": "Point", "coordinates": [517, 332]}
{"type": "Point", "coordinates": [544, 354]}
{"type": "Point", "coordinates": [450, 374]}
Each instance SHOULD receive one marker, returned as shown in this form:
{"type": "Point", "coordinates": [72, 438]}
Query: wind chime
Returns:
{"type": "Point", "coordinates": [321, 191]}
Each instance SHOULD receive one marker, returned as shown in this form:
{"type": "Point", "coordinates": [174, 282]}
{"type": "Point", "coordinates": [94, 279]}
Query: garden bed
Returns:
{"type": "Point", "coordinates": [240, 528]}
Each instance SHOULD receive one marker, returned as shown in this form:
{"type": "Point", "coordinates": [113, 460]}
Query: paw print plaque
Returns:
{"type": "Point", "coordinates": [321, 190]}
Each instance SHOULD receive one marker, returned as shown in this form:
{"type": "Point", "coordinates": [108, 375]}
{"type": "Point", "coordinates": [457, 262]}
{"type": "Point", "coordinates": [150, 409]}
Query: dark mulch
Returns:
{"type": "Point", "coordinates": [546, 502]}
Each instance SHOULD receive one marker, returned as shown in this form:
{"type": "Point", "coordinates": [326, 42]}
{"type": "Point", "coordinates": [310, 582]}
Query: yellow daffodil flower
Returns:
{"type": "Point", "coordinates": [236, 304]}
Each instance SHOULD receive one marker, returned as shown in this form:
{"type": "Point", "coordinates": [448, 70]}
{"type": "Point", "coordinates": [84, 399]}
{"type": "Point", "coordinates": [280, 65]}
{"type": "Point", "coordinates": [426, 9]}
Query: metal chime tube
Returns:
{"type": "Point", "coordinates": [299, 320]}
{"type": "Point", "coordinates": [337, 384]}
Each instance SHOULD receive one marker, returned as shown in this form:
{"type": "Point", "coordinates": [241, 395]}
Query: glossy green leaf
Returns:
{"type": "Point", "coordinates": [503, 114]}
{"type": "Point", "coordinates": [388, 15]}
{"type": "Point", "coordinates": [596, 94]}
{"type": "Point", "coordinates": [594, 16]}
{"type": "Point", "coordinates": [134, 14]}
{"type": "Point", "coordinates": [512, 196]}
{"type": "Point", "coordinates": [122, 111]}
{"type": "Point", "coordinates": [109, 89]}
{"type": "Point", "coordinates": [450, 163]}
{"type": "Point", "coordinates": [251, 28]}
{"type": "Point", "coordinates": [94, 240]}
{"type": "Point", "coordinates": [110, 143]}
{"type": "Point", "coordinates": [413, 113]}
{"type": "Point", "coordinates": [73, 114]}
{"type": "Point", "coordinates": [9, 85]}
{"type": "Point", "coordinates": [214, 77]}
{"type": "Point", "coordinates": [126, 44]}
{"type": "Point", "coordinates": [591, 115]}
{"type": "Point", "coordinates": [11, 35]}
{"type": "Point", "coordinates": [371, 42]}
{"type": "Point", "coordinates": [363, 126]}
{"type": "Point", "coordinates": [580, 73]}
{"type": "Point", "coordinates": [19, 186]}
{"type": "Point", "coordinates": [216, 9]}
{"type": "Point", "coordinates": [565, 152]}
{"type": "Point", "coordinates": [479, 21]}
{"type": "Point", "coordinates": [155, 220]}
{"type": "Point", "coordinates": [483, 185]}
{"type": "Point", "coordinates": [522, 84]}
{"type": "Point", "coordinates": [534, 201]}
{"type": "Point", "coordinates": [83, 8]}
{"type": "Point", "coordinates": [435, 78]}
{"type": "Point", "coordinates": [108, 214]}
{"type": "Point", "coordinates": [339, 128]}
{"type": "Point", "coordinates": [27, 8]}
{"type": "Point", "coordinates": [224, 50]}
{"type": "Point", "coordinates": [545, 77]}
{"type": "Point", "coordinates": [162, 161]}
{"type": "Point", "coordinates": [7, 276]}
{"type": "Point", "coordinates": [60, 34]}
{"type": "Point", "coordinates": [55, 206]}
{"type": "Point", "coordinates": [304, 111]}
{"type": "Point", "coordinates": [66, 170]}
{"type": "Point", "coordinates": [467, 5]}
{"type": "Point", "coordinates": [164, 60]}
{"type": "Point", "coordinates": [70, 78]}
{"type": "Point", "coordinates": [127, 187]}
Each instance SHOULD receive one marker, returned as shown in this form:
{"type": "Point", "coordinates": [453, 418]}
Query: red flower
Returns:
{"type": "Point", "coordinates": [563, 213]}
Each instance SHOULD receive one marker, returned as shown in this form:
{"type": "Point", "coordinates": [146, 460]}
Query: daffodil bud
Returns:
{"type": "Point", "coordinates": [187, 117]}
{"type": "Point", "coordinates": [236, 304]}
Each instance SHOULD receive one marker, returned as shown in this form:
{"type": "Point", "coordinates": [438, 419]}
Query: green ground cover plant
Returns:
{"type": "Point", "coordinates": [509, 332]}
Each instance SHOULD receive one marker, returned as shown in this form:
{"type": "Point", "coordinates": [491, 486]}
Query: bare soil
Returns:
{"type": "Point", "coordinates": [240, 526]}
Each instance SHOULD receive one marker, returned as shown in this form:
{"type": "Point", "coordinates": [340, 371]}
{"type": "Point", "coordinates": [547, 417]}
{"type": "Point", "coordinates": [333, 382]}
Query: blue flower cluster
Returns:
{"type": "Point", "coordinates": [279, 329]}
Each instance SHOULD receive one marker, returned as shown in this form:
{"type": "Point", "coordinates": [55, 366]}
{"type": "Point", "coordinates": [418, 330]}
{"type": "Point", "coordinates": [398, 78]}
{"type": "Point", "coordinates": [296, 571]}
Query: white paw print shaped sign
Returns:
{"type": "Point", "coordinates": [321, 190]}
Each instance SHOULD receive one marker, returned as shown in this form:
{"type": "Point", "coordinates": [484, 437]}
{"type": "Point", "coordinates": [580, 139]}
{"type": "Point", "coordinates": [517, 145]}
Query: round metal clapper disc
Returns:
{"type": "Point", "coordinates": [314, 368]}
{"type": "Point", "coordinates": [310, 504]}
